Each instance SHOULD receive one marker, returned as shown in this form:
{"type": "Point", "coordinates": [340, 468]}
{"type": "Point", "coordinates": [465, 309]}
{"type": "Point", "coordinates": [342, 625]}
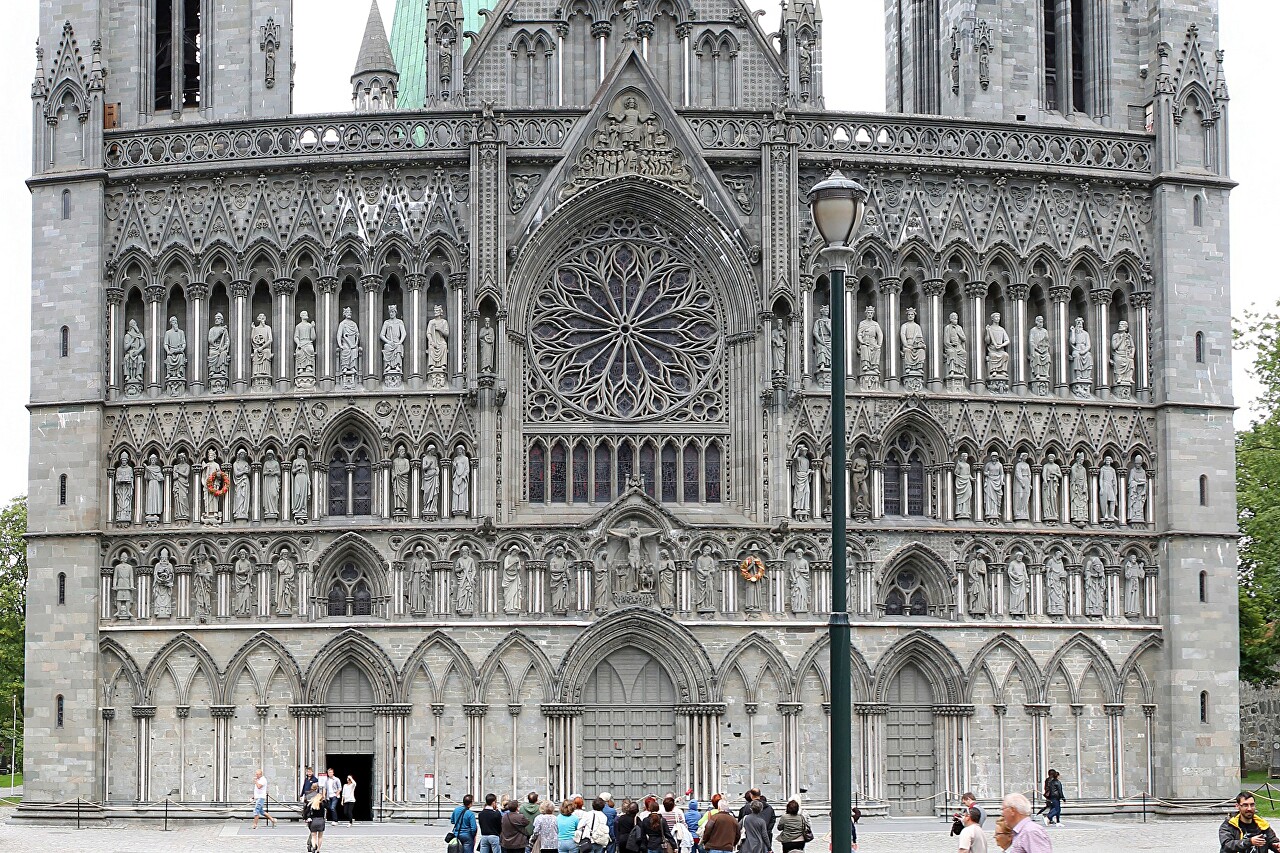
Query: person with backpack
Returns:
{"type": "Point", "coordinates": [593, 830]}
{"type": "Point", "coordinates": [465, 828]}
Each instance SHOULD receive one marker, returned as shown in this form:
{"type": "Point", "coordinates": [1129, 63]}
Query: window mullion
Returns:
{"type": "Point", "coordinates": [177, 41]}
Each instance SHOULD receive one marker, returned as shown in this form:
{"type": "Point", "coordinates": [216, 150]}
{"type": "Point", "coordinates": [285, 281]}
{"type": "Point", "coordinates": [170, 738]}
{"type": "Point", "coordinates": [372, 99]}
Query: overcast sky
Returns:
{"type": "Point", "coordinates": [327, 41]}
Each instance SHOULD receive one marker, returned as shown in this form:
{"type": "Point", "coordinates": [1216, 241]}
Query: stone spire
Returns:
{"type": "Point", "coordinates": [375, 81]}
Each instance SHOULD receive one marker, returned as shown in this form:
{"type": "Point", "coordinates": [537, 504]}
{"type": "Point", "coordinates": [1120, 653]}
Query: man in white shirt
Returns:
{"type": "Point", "coordinates": [260, 799]}
{"type": "Point", "coordinates": [332, 793]}
{"type": "Point", "coordinates": [972, 839]}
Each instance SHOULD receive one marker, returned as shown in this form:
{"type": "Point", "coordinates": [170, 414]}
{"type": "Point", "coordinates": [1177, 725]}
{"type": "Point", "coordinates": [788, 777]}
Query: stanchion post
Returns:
{"type": "Point", "coordinates": [1144, 806]}
{"type": "Point", "coordinates": [166, 814]}
{"type": "Point", "coordinates": [77, 812]}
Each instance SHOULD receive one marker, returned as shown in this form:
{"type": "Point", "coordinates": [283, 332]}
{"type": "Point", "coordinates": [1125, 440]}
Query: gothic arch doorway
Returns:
{"type": "Point", "coordinates": [910, 777]}
{"type": "Point", "coordinates": [629, 725]}
{"type": "Point", "coordinates": [349, 734]}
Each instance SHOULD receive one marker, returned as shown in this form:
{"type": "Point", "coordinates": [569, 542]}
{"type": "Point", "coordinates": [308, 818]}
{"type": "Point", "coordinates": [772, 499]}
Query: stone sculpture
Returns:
{"type": "Point", "coordinates": [175, 358]}
{"type": "Point", "coordinates": [461, 482]}
{"type": "Point", "coordinates": [1019, 579]}
{"type": "Point", "coordinates": [913, 353]}
{"type": "Point", "coordinates": [437, 349]}
{"type": "Point", "coordinates": [822, 346]}
{"type": "Point", "coordinates": [870, 342]}
{"type": "Point", "coordinates": [304, 353]}
{"type": "Point", "coordinates": [1051, 490]}
{"type": "Point", "coordinates": [802, 491]}
{"type": "Point", "coordinates": [182, 488]}
{"type": "Point", "coordinates": [1055, 583]}
{"type": "Point", "coordinates": [419, 594]}
{"type": "Point", "coordinates": [1133, 572]}
{"type": "Point", "coordinates": [1123, 355]}
{"type": "Point", "coordinates": [1137, 492]}
{"type": "Point", "coordinates": [976, 577]}
{"type": "Point", "coordinates": [219, 355]}
{"type": "Point", "coordinates": [202, 582]}
{"type": "Point", "coordinates": [300, 487]}
{"type": "Point", "coordinates": [242, 569]}
{"type": "Point", "coordinates": [122, 587]}
{"type": "Point", "coordinates": [271, 486]}
{"type": "Point", "coordinates": [778, 348]}
{"type": "Point", "coordinates": [705, 568]}
{"type": "Point", "coordinates": [261, 342]}
{"type": "Point", "coordinates": [602, 588]}
{"type": "Point", "coordinates": [467, 570]}
{"type": "Point", "coordinates": [124, 490]}
{"type": "Point", "coordinates": [1022, 487]}
{"type": "Point", "coordinates": [487, 340]}
{"type": "Point", "coordinates": [1081, 350]}
{"type": "Point", "coordinates": [512, 586]}
{"type": "Point", "coordinates": [753, 601]}
{"type": "Point", "coordinates": [1095, 591]}
{"type": "Point", "coordinates": [241, 471]}
{"type": "Point", "coordinates": [997, 341]}
{"type": "Point", "coordinates": [153, 490]}
{"type": "Point", "coordinates": [348, 337]}
{"type": "Point", "coordinates": [393, 336]}
{"type": "Point", "coordinates": [560, 582]}
{"type": "Point", "coordinates": [964, 487]}
{"type": "Point", "coordinates": [798, 581]}
{"type": "Point", "coordinates": [1079, 491]}
{"type": "Point", "coordinates": [1040, 358]}
{"type": "Point", "coordinates": [993, 489]}
{"type": "Point", "coordinates": [286, 583]}
{"type": "Point", "coordinates": [430, 484]}
{"type": "Point", "coordinates": [666, 585]}
{"type": "Point", "coordinates": [134, 359]}
{"type": "Point", "coordinates": [860, 481]}
{"type": "Point", "coordinates": [1108, 491]}
{"type": "Point", "coordinates": [162, 586]}
{"type": "Point", "coordinates": [400, 483]}
{"type": "Point", "coordinates": [955, 354]}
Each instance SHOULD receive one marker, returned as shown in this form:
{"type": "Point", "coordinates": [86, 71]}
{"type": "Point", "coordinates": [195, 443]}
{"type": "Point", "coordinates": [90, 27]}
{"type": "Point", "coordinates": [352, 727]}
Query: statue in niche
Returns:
{"type": "Point", "coordinates": [304, 353]}
{"type": "Point", "coordinates": [400, 482]}
{"type": "Point", "coordinates": [487, 339]}
{"type": "Point", "coordinates": [437, 349]}
{"type": "Point", "coordinates": [1022, 487]}
{"type": "Point", "coordinates": [602, 588]}
{"type": "Point", "coordinates": [798, 581]}
{"type": "Point", "coordinates": [1040, 358]}
{"type": "Point", "coordinates": [430, 483]}
{"type": "Point", "coordinates": [122, 587]}
{"type": "Point", "coordinates": [860, 477]}
{"type": "Point", "coordinates": [153, 490]}
{"type": "Point", "coordinates": [348, 352]}
{"type": "Point", "coordinates": [997, 341]}
{"type": "Point", "coordinates": [242, 569]}
{"type": "Point", "coordinates": [182, 488]}
{"type": "Point", "coordinates": [1133, 572]}
{"type": "Point", "coordinates": [964, 487]}
{"type": "Point", "coordinates": [1019, 580]}
{"type": "Point", "coordinates": [825, 485]}
{"type": "Point", "coordinates": [778, 348]}
{"type": "Point", "coordinates": [913, 353]}
{"type": "Point", "coordinates": [955, 354]}
{"type": "Point", "coordinates": [993, 489]}
{"type": "Point", "coordinates": [219, 356]}
{"type": "Point", "coordinates": [976, 577]}
{"type": "Point", "coordinates": [393, 336]}
{"type": "Point", "coordinates": [1055, 583]}
{"type": "Point", "coordinates": [512, 588]}
{"type": "Point", "coordinates": [212, 503]}
{"type": "Point", "coordinates": [870, 342]}
{"type": "Point", "coordinates": [271, 486]}
{"type": "Point", "coordinates": [1079, 491]}
{"type": "Point", "coordinates": [241, 471]}
{"type": "Point", "coordinates": [1081, 350]}
{"type": "Point", "coordinates": [822, 346]}
{"type": "Point", "coordinates": [286, 582]}
{"type": "Point", "coordinates": [629, 574]}
{"type": "Point", "coordinates": [461, 482]}
{"type": "Point", "coordinates": [202, 582]}
{"type": "Point", "coordinates": [1095, 590]}
{"type": "Point", "coordinates": [134, 359]}
{"type": "Point", "coordinates": [261, 341]}
{"type": "Point", "coordinates": [705, 568]}
{"type": "Point", "coordinates": [300, 487]}
{"type": "Point", "coordinates": [175, 358]}
{"type": "Point", "coordinates": [1138, 483]}
{"type": "Point", "coordinates": [419, 594]}
{"type": "Point", "coordinates": [560, 581]}
{"type": "Point", "coordinates": [467, 570]}
{"type": "Point", "coordinates": [124, 490]}
{"type": "Point", "coordinates": [666, 586]}
{"type": "Point", "coordinates": [162, 586]}
{"type": "Point", "coordinates": [1123, 355]}
{"type": "Point", "coordinates": [1051, 490]}
{"type": "Point", "coordinates": [753, 600]}
{"type": "Point", "coordinates": [1108, 491]}
{"type": "Point", "coordinates": [802, 492]}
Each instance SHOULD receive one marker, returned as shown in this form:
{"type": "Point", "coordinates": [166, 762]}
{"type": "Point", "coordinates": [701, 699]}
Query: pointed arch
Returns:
{"type": "Point", "coordinates": [1130, 667]}
{"type": "Point", "coordinates": [352, 646]}
{"type": "Point", "coordinates": [755, 641]}
{"type": "Point", "coordinates": [863, 679]}
{"type": "Point", "coordinates": [1023, 663]}
{"type": "Point", "coordinates": [517, 640]}
{"type": "Point", "coordinates": [183, 642]}
{"type": "Point", "coordinates": [1098, 659]}
{"type": "Point", "coordinates": [286, 664]}
{"type": "Point", "coordinates": [108, 646]}
{"type": "Point", "coordinates": [675, 645]}
{"type": "Point", "coordinates": [933, 658]}
{"type": "Point", "coordinates": [441, 640]}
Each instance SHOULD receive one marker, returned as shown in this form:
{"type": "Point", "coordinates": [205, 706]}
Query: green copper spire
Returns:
{"type": "Point", "coordinates": [408, 44]}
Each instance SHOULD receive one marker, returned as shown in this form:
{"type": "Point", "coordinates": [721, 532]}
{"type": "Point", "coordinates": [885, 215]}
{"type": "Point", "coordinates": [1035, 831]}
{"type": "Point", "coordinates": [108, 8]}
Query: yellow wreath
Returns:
{"type": "Point", "coordinates": [752, 569]}
{"type": "Point", "coordinates": [218, 483]}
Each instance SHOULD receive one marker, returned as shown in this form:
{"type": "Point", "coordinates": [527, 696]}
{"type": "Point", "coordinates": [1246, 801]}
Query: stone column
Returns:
{"type": "Point", "coordinates": [392, 755]}
{"type": "Point", "coordinates": [934, 321]}
{"type": "Point", "coordinates": [1113, 605]}
{"type": "Point", "coordinates": [143, 715]}
{"type": "Point", "coordinates": [108, 716]}
{"type": "Point", "coordinates": [955, 739]}
{"type": "Point", "coordinates": [115, 336]}
{"type": "Point", "coordinates": [413, 322]}
{"type": "Point", "coordinates": [197, 337]}
{"type": "Point", "coordinates": [1115, 738]}
{"type": "Point", "coordinates": [475, 713]}
{"type": "Point", "coordinates": [600, 32]}
{"type": "Point", "coordinates": [1059, 294]}
{"type": "Point", "coordinates": [371, 325]}
{"type": "Point", "coordinates": [222, 716]}
{"type": "Point", "coordinates": [1018, 292]}
{"type": "Point", "coordinates": [891, 296]}
{"type": "Point", "coordinates": [284, 290]}
{"type": "Point", "coordinates": [1142, 342]}
{"type": "Point", "coordinates": [1101, 299]}
{"type": "Point", "coordinates": [454, 314]}
{"type": "Point", "coordinates": [238, 326]}
{"type": "Point", "coordinates": [702, 772]}
{"type": "Point", "coordinates": [306, 722]}
{"type": "Point", "coordinates": [791, 776]}
{"type": "Point", "coordinates": [872, 715]}
{"type": "Point", "coordinates": [264, 572]}
{"type": "Point", "coordinates": [1039, 714]}
{"type": "Point", "coordinates": [562, 724]}
{"type": "Point", "coordinates": [1151, 591]}
{"type": "Point", "coordinates": [976, 291]}
{"type": "Point", "coordinates": [154, 332]}
{"type": "Point", "coordinates": [808, 312]}
{"type": "Point", "coordinates": [326, 329]}
{"type": "Point", "coordinates": [1000, 711]}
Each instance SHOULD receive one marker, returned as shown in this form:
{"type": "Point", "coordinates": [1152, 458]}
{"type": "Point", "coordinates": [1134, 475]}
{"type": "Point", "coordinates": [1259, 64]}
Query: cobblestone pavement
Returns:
{"type": "Point", "coordinates": [875, 835]}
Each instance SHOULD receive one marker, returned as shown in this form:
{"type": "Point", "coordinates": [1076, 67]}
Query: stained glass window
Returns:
{"type": "Point", "coordinates": [692, 461]}
{"type": "Point", "coordinates": [892, 486]}
{"type": "Point", "coordinates": [337, 600]}
{"type": "Point", "coordinates": [713, 473]}
{"type": "Point", "coordinates": [625, 463]}
{"type": "Point", "coordinates": [361, 600]}
{"type": "Point", "coordinates": [581, 470]}
{"type": "Point", "coordinates": [559, 474]}
{"type": "Point", "coordinates": [670, 473]}
{"type": "Point", "coordinates": [537, 473]}
{"type": "Point", "coordinates": [915, 486]}
{"type": "Point", "coordinates": [338, 483]}
{"type": "Point", "coordinates": [362, 484]}
{"type": "Point", "coordinates": [351, 476]}
{"type": "Point", "coordinates": [604, 466]}
{"type": "Point", "coordinates": [648, 469]}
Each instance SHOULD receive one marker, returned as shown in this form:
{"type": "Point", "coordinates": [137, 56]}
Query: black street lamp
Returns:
{"type": "Point", "coordinates": [837, 205]}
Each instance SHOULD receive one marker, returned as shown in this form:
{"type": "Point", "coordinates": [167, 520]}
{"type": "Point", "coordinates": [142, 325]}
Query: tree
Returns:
{"type": "Point", "coordinates": [13, 607]}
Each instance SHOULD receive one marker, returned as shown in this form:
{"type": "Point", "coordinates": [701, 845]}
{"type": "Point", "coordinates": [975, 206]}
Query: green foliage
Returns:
{"type": "Point", "coordinates": [13, 603]}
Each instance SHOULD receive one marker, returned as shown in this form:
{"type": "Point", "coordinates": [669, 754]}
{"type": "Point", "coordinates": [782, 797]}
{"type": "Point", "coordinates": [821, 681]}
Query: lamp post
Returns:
{"type": "Point", "coordinates": [837, 205]}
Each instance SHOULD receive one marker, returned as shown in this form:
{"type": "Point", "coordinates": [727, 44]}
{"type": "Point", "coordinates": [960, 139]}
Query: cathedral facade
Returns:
{"type": "Point", "coordinates": [482, 442]}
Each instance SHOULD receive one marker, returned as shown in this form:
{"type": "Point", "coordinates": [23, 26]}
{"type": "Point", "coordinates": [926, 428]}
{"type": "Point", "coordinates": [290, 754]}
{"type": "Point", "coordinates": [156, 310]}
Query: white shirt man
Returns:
{"type": "Point", "coordinates": [972, 839]}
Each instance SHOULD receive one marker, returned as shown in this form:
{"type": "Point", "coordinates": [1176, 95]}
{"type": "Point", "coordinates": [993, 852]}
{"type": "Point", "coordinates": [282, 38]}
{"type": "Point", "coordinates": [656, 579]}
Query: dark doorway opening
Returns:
{"type": "Point", "coordinates": [360, 768]}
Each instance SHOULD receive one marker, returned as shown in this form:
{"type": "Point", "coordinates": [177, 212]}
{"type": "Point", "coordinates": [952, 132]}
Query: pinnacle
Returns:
{"type": "Point", "coordinates": [375, 49]}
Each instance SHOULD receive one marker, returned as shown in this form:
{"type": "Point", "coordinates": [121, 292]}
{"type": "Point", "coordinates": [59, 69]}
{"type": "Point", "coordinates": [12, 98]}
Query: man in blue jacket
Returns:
{"type": "Point", "coordinates": [691, 819]}
{"type": "Point", "coordinates": [465, 825]}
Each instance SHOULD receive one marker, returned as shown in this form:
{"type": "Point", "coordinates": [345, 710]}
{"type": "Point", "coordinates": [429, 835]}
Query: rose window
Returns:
{"type": "Point", "coordinates": [624, 330]}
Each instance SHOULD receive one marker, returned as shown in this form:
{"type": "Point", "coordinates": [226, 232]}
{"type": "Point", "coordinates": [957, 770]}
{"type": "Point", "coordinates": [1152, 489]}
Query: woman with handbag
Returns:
{"type": "Point", "coordinates": [794, 831]}
{"type": "Point", "coordinates": [592, 834]}
{"type": "Point", "coordinates": [652, 835]}
{"type": "Point", "coordinates": [313, 809]}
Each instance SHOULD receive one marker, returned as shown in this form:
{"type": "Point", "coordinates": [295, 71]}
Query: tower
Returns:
{"type": "Point", "coordinates": [802, 53]}
{"type": "Point", "coordinates": [447, 22]}
{"type": "Point", "coordinates": [375, 81]}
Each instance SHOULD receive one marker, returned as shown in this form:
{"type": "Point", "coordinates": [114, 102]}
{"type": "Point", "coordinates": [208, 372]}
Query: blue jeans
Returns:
{"type": "Point", "coordinates": [468, 842]}
{"type": "Point", "coordinates": [1055, 811]}
{"type": "Point", "coordinates": [490, 844]}
{"type": "Point", "coordinates": [569, 846]}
